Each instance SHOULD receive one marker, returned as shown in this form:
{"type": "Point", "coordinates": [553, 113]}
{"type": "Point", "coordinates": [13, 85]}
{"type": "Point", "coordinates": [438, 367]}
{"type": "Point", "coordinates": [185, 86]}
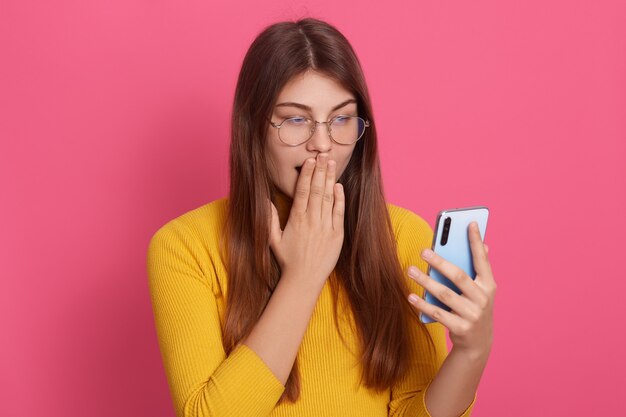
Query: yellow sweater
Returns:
{"type": "Point", "coordinates": [188, 286]}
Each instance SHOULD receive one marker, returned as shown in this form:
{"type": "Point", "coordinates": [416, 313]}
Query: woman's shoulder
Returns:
{"type": "Point", "coordinates": [203, 222]}
{"type": "Point", "coordinates": [404, 219]}
{"type": "Point", "coordinates": [188, 246]}
{"type": "Point", "coordinates": [413, 234]}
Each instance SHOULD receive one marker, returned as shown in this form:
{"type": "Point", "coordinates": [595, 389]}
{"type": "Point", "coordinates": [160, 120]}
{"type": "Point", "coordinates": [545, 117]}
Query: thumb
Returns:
{"type": "Point", "coordinates": [275, 233]}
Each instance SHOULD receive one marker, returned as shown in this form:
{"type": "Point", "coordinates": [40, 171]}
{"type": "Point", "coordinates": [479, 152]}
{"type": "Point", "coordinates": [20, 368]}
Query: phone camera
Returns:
{"type": "Point", "coordinates": [446, 231]}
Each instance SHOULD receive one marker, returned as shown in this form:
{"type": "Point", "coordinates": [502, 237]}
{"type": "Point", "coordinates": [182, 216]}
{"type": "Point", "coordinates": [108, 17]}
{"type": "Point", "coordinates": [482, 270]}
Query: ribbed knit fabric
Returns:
{"type": "Point", "coordinates": [188, 285]}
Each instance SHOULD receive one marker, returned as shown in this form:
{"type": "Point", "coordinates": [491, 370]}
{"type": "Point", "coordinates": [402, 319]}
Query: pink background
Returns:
{"type": "Point", "coordinates": [114, 119]}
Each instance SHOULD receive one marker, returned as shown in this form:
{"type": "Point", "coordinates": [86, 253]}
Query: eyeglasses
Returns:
{"type": "Point", "coordinates": [344, 130]}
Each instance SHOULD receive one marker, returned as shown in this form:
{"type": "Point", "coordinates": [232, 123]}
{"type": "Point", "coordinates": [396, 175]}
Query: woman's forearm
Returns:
{"type": "Point", "coordinates": [453, 388]}
{"type": "Point", "coordinates": [278, 334]}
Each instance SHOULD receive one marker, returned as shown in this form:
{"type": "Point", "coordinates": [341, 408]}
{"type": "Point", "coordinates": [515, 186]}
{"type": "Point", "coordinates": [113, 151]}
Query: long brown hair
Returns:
{"type": "Point", "coordinates": [368, 269]}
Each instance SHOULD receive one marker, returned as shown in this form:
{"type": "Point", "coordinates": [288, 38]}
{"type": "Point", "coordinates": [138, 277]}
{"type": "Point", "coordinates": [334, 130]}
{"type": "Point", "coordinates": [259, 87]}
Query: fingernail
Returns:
{"type": "Point", "coordinates": [414, 272]}
{"type": "Point", "coordinates": [413, 298]}
{"type": "Point", "coordinates": [427, 254]}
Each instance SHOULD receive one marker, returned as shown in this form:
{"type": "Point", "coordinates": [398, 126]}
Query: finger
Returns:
{"type": "Point", "coordinates": [339, 207]}
{"type": "Point", "coordinates": [486, 248]}
{"type": "Point", "coordinates": [303, 185]}
{"type": "Point", "coordinates": [317, 185]}
{"type": "Point", "coordinates": [449, 320]}
{"type": "Point", "coordinates": [275, 232]}
{"type": "Point", "coordinates": [455, 274]}
{"type": "Point", "coordinates": [329, 194]}
{"type": "Point", "coordinates": [479, 254]}
{"type": "Point", "coordinates": [459, 304]}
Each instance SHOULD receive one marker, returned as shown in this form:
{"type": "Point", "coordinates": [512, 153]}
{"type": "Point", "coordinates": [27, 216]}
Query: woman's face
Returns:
{"type": "Point", "coordinates": [317, 97]}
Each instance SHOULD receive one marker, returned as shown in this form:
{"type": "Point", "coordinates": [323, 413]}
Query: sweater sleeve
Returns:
{"type": "Point", "coordinates": [407, 396]}
{"type": "Point", "coordinates": [203, 381]}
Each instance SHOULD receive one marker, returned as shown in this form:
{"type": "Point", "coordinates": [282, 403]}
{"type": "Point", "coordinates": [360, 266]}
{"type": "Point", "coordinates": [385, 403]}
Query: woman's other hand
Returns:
{"type": "Point", "coordinates": [471, 320]}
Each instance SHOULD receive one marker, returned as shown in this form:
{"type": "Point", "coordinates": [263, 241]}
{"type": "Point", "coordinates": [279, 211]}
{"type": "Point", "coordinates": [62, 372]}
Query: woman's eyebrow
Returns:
{"type": "Point", "coordinates": [307, 108]}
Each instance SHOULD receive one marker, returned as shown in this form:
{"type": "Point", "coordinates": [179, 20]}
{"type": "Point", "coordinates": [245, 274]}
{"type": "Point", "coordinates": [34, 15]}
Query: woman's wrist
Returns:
{"type": "Point", "coordinates": [472, 355]}
{"type": "Point", "coordinates": [306, 280]}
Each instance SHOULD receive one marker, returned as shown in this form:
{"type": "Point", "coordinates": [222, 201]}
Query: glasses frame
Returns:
{"type": "Point", "coordinates": [366, 124]}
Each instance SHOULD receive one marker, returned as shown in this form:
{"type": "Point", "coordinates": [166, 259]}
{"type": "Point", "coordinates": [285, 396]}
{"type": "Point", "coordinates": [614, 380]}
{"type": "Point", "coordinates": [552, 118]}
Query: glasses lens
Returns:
{"type": "Point", "coordinates": [347, 129]}
{"type": "Point", "coordinates": [296, 130]}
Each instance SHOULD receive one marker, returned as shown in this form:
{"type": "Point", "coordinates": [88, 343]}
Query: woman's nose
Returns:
{"type": "Point", "coordinates": [320, 141]}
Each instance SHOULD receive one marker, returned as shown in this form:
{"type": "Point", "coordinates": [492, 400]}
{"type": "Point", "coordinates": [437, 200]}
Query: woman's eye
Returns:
{"type": "Point", "coordinates": [341, 120]}
{"type": "Point", "coordinates": [296, 120]}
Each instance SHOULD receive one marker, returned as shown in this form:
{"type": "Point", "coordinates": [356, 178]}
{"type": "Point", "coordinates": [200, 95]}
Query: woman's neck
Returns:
{"type": "Point", "coordinates": [283, 204]}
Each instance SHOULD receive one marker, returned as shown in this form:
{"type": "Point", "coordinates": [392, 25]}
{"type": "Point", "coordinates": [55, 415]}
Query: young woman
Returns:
{"type": "Point", "coordinates": [293, 297]}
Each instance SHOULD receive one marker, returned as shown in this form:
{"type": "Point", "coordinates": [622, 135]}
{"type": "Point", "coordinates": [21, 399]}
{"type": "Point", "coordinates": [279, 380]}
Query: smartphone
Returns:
{"type": "Point", "coordinates": [451, 242]}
